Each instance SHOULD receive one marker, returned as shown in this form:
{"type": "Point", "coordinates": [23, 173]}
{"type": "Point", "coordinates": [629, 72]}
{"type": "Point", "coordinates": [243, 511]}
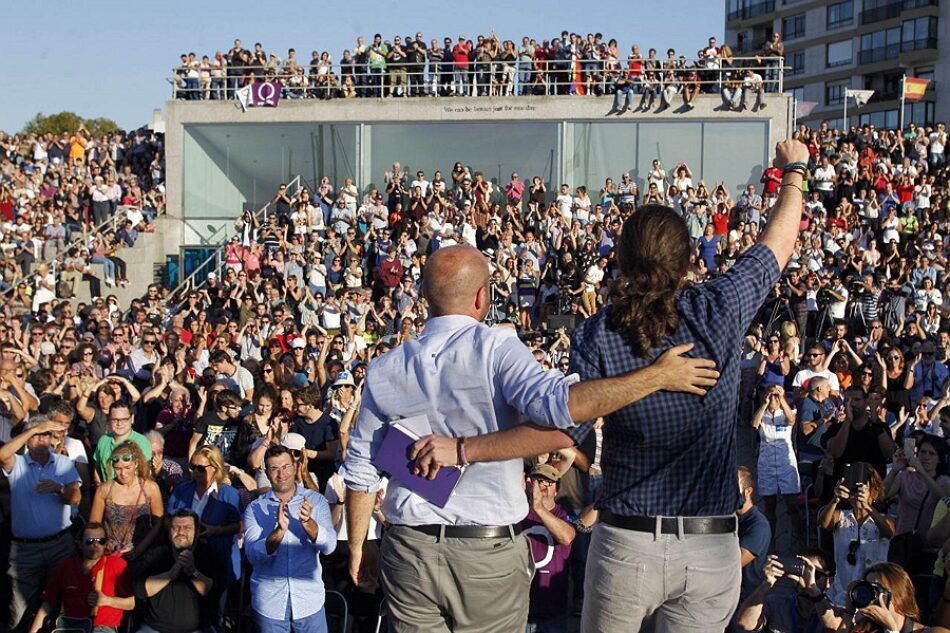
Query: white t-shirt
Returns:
{"type": "Point", "coordinates": [565, 204]}
{"type": "Point", "coordinates": [594, 275]}
{"type": "Point", "coordinates": [804, 375]}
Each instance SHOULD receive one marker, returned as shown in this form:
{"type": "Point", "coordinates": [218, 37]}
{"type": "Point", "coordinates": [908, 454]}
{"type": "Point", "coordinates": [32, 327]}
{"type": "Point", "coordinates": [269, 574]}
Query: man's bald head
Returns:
{"type": "Point", "coordinates": [453, 278]}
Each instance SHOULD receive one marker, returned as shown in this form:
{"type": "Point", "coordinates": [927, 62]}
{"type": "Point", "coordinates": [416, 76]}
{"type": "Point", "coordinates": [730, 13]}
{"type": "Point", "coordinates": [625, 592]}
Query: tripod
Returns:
{"type": "Point", "coordinates": [780, 309]}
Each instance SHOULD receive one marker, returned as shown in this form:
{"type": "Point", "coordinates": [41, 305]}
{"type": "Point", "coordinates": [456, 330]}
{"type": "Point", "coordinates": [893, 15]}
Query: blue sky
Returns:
{"type": "Point", "coordinates": [110, 58]}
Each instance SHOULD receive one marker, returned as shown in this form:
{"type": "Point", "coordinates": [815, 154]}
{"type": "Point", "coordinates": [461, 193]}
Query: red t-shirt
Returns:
{"type": "Point", "coordinates": [771, 186]}
{"type": "Point", "coordinates": [906, 192]}
{"type": "Point", "coordinates": [70, 585]}
{"type": "Point", "coordinates": [460, 54]}
{"type": "Point", "coordinates": [720, 223]}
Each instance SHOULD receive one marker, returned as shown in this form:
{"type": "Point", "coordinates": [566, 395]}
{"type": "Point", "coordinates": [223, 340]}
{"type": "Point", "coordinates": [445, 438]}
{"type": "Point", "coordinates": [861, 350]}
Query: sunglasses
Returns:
{"type": "Point", "coordinates": [198, 468]}
{"type": "Point", "coordinates": [122, 458]}
{"type": "Point", "coordinates": [814, 355]}
{"type": "Point", "coordinates": [99, 540]}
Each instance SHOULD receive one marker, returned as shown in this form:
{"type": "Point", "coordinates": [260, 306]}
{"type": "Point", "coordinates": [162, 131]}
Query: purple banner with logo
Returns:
{"type": "Point", "coordinates": [265, 93]}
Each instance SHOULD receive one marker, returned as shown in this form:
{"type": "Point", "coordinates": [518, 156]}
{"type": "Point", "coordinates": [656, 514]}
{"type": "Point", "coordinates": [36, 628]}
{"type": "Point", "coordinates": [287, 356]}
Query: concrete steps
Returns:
{"type": "Point", "coordinates": [142, 262]}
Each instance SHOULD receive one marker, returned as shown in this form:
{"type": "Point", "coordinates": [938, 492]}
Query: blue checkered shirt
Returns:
{"type": "Point", "coordinates": [674, 454]}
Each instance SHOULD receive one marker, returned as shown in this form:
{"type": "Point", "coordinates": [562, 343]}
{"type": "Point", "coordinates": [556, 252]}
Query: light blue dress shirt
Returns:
{"type": "Point", "coordinates": [287, 584]}
{"type": "Point", "coordinates": [38, 515]}
{"type": "Point", "coordinates": [468, 379]}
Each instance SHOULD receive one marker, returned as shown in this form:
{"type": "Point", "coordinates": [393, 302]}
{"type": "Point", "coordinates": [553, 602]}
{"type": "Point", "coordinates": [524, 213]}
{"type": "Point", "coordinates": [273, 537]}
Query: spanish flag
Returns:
{"type": "Point", "coordinates": [914, 88]}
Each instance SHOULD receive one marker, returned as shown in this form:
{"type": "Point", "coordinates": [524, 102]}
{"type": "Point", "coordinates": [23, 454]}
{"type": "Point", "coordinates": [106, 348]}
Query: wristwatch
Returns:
{"type": "Point", "coordinates": [195, 574]}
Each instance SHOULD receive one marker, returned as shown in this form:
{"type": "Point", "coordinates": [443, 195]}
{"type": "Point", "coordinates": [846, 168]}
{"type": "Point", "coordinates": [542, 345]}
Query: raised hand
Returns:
{"type": "Point", "coordinates": [789, 151]}
{"type": "Point", "coordinates": [283, 516]}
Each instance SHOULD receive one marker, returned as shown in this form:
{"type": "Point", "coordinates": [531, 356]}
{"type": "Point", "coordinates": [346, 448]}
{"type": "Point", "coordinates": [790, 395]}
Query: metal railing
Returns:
{"type": "Point", "coordinates": [215, 263]}
{"type": "Point", "coordinates": [478, 78]}
{"type": "Point", "coordinates": [120, 215]}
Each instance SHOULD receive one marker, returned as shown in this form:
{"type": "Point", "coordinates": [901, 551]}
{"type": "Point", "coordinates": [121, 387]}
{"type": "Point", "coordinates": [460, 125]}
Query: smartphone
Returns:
{"type": "Point", "coordinates": [910, 446]}
{"type": "Point", "coordinates": [855, 474]}
{"type": "Point", "coordinates": [792, 566]}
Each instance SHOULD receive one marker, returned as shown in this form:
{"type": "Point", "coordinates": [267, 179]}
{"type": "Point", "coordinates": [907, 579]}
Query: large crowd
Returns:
{"type": "Point", "coordinates": [182, 418]}
{"type": "Point", "coordinates": [569, 64]}
{"type": "Point", "coordinates": [67, 202]}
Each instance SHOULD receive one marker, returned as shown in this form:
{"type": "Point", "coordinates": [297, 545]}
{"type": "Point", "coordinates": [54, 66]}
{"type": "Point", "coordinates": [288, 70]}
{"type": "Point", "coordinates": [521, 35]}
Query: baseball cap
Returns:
{"type": "Point", "coordinates": [293, 441]}
{"type": "Point", "coordinates": [344, 378]}
{"type": "Point", "coordinates": [547, 471]}
{"type": "Point", "coordinates": [298, 343]}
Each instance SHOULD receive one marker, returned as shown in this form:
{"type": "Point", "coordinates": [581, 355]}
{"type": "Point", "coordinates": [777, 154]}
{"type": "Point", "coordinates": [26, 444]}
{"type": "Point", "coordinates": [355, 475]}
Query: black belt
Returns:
{"type": "Point", "coordinates": [466, 531]}
{"type": "Point", "coordinates": [43, 539]}
{"type": "Point", "coordinates": [670, 525]}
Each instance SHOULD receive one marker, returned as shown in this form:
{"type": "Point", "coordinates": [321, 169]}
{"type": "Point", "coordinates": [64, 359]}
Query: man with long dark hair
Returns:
{"type": "Point", "coordinates": [666, 546]}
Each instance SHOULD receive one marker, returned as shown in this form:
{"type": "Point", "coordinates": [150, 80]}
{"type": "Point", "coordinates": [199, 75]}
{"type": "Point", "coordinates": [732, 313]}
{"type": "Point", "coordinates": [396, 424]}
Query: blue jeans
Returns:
{"type": "Point", "coordinates": [316, 623]}
{"type": "Point", "coordinates": [623, 89]}
{"type": "Point", "coordinates": [547, 625]}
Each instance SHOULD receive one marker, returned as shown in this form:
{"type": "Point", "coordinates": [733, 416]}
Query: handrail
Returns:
{"type": "Point", "coordinates": [215, 261]}
{"type": "Point", "coordinates": [479, 78]}
{"type": "Point", "coordinates": [121, 213]}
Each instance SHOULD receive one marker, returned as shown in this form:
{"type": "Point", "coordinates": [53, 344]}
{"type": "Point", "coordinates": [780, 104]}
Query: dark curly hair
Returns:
{"type": "Point", "coordinates": [653, 254]}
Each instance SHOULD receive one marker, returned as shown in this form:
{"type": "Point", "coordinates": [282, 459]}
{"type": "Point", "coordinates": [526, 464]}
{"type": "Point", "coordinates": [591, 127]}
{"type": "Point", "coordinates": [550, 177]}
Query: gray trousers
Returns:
{"type": "Point", "coordinates": [467, 585]}
{"type": "Point", "coordinates": [688, 583]}
{"type": "Point", "coordinates": [30, 567]}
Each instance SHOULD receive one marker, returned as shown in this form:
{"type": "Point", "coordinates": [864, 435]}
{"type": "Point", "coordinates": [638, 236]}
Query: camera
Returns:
{"type": "Point", "coordinates": [864, 594]}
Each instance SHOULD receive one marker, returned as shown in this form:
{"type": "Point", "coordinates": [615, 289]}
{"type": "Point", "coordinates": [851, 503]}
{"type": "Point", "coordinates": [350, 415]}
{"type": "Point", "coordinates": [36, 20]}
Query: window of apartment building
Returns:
{"type": "Point", "coordinates": [924, 72]}
{"type": "Point", "coordinates": [834, 93]}
{"type": "Point", "coordinates": [880, 46]}
{"type": "Point", "coordinates": [793, 26]}
{"type": "Point", "coordinates": [840, 14]}
{"type": "Point", "coordinates": [797, 93]}
{"type": "Point", "coordinates": [919, 34]}
{"type": "Point", "coordinates": [794, 63]}
{"type": "Point", "coordinates": [839, 53]}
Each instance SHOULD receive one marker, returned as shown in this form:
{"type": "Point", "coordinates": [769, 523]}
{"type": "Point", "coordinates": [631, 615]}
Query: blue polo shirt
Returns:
{"type": "Point", "coordinates": [674, 454]}
{"type": "Point", "coordinates": [38, 515]}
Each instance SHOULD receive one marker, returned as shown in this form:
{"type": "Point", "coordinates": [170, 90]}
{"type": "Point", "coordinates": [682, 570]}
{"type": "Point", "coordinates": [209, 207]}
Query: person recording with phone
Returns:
{"type": "Point", "coordinates": [861, 533]}
{"type": "Point", "coordinates": [807, 609]}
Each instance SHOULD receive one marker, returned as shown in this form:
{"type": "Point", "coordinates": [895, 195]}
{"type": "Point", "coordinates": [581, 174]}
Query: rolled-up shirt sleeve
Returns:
{"type": "Point", "coordinates": [358, 471]}
{"type": "Point", "coordinates": [326, 534]}
{"type": "Point", "coordinates": [540, 396]}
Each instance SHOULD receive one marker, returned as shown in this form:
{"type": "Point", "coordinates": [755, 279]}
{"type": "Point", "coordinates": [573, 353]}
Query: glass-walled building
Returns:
{"type": "Point", "coordinates": [219, 165]}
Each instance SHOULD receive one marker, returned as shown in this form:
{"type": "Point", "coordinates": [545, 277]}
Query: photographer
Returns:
{"type": "Point", "coordinates": [861, 533]}
{"type": "Point", "coordinates": [805, 610]}
{"type": "Point", "coordinates": [833, 297]}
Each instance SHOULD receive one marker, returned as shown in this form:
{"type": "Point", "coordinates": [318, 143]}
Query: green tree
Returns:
{"type": "Point", "coordinates": [68, 122]}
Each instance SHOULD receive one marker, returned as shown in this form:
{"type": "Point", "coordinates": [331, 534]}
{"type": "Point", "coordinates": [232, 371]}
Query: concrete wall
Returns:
{"type": "Point", "coordinates": [733, 138]}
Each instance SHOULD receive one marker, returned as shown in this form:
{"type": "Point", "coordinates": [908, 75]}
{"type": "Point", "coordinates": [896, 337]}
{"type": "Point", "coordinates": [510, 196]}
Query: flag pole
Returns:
{"type": "Point", "coordinates": [844, 121]}
{"type": "Point", "coordinates": [903, 91]}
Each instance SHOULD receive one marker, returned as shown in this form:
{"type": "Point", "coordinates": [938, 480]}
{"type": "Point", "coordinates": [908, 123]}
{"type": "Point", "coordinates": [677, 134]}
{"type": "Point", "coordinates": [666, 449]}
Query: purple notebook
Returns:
{"type": "Point", "coordinates": [393, 459]}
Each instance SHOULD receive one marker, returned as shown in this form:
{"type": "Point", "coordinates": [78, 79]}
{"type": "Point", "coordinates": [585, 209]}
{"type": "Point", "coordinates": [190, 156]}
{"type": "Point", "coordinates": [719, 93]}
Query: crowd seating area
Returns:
{"type": "Point", "coordinates": [272, 348]}
{"type": "Point", "coordinates": [569, 64]}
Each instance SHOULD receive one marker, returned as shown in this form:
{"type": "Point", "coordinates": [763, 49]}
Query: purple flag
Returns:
{"type": "Point", "coordinates": [265, 93]}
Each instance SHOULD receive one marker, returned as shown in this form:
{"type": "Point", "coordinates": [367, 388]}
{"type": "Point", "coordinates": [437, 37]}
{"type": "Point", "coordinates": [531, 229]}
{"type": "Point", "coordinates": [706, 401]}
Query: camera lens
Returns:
{"type": "Point", "coordinates": [866, 593]}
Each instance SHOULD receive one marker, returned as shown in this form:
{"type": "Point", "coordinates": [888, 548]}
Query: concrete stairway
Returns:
{"type": "Point", "coordinates": [142, 262]}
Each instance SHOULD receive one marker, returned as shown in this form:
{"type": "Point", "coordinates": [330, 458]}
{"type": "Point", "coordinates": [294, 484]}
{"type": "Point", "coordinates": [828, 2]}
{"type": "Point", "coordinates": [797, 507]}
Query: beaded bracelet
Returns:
{"type": "Point", "coordinates": [795, 165]}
